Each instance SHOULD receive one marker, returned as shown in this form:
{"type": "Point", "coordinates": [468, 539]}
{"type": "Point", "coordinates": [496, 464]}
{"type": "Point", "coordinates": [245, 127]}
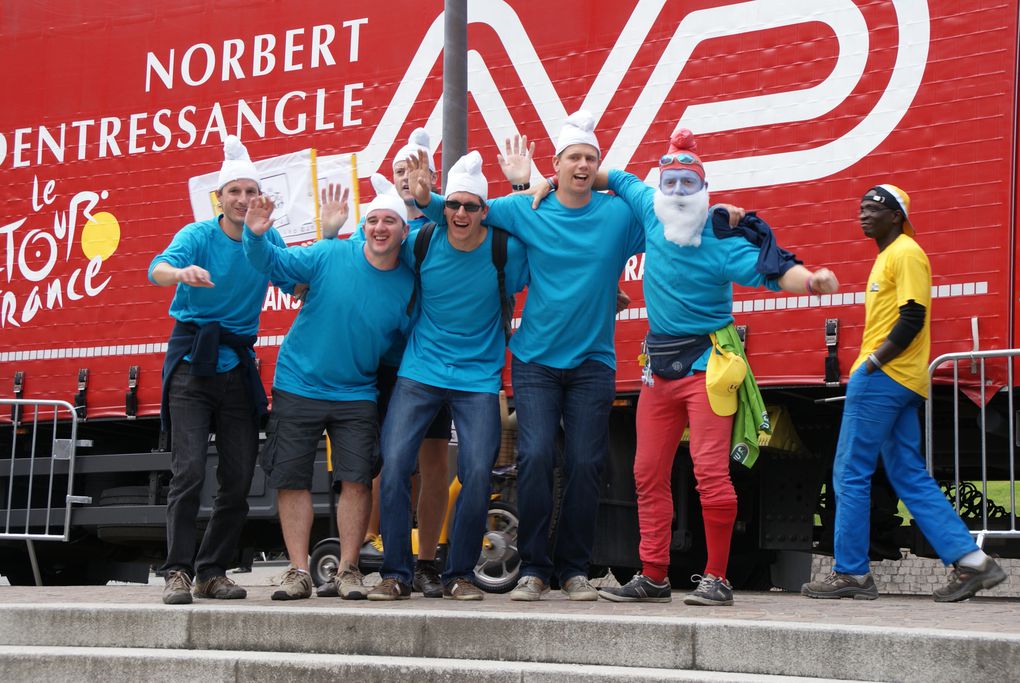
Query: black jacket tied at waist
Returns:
{"type": "Point", "coordinates": [202, 344]}
{"type": "Point", "coordinates": [773, 260]}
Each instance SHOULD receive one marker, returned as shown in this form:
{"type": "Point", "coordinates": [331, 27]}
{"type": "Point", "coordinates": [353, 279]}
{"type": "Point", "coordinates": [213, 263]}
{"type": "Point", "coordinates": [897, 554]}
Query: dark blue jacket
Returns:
{"type": "Point", "coordinates": [202, 343]}
{"type": "Point", "coordinates": [773, 260]}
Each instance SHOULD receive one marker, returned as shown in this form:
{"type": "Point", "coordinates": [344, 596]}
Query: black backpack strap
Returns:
{"type": "Point", "coordinates": [422, 242]}
{"type": "Point", "coordinates": [506, 303]}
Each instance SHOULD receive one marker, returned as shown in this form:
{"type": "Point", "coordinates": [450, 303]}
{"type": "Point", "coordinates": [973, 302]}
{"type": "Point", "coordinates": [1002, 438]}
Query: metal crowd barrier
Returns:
{"type": "Point", "coordinates": [977, 360]}
{"type": "Point", "coordinates": [38, 455]}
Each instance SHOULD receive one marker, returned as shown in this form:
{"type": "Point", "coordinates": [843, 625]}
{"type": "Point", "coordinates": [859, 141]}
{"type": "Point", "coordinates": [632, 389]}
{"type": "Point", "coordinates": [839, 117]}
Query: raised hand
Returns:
{"type": "Point", "coordinates": [258, 215]}
{"type": "Point", "coordinates": [333, 208]}
{"type": "Point", "coordinates": [516, 162]}
{"type": "Point", "coordinates": [419, 177]}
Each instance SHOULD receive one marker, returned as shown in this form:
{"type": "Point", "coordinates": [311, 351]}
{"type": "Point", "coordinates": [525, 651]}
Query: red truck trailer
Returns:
{"type": "Point", "coordinates": [116, 110]}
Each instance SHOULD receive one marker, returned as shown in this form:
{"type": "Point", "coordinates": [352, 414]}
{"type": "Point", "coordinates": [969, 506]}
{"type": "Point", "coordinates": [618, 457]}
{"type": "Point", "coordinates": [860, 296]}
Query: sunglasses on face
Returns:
{"type": "Point", "coordinates": [676, 159]}
{"type": "Point", "coordinates": [454, 205]}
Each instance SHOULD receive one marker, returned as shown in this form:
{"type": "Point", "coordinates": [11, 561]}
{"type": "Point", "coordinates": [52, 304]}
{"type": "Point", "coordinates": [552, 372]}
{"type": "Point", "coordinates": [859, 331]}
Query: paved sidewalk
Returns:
{"type": "Point", "coordinates": [992, 615]}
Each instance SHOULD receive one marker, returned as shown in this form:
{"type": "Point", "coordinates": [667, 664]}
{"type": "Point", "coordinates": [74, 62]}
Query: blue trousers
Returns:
{"type": "Point", "coordinates": [581, 399]}
{"type": "Point", "coordinates": [412, 408]}
{"type": "Point", "coordinates": [880, 420]}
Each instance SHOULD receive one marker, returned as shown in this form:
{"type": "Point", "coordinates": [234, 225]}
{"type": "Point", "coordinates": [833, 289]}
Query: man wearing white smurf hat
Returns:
{"type": "Point", "coordinates": [454, 359]}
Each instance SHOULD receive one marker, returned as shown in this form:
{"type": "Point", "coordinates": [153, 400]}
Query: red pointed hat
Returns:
{"type": "Point", "coordinates": [681, 153]}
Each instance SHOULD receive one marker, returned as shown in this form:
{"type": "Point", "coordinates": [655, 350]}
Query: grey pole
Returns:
{"type": "Point", "coordinates": [454, 84]}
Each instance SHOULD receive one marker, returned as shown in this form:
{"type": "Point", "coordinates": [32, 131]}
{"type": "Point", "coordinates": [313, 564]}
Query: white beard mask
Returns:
{"type": "Point", "coordinates": [683, 217]}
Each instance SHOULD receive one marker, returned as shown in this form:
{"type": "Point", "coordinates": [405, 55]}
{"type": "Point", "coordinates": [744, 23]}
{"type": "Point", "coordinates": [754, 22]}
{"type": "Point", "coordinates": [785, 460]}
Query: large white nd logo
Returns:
{"type": "Point", "coordinates": [842, 16]}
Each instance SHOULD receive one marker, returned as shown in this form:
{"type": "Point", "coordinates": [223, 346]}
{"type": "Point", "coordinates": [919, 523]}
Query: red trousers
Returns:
{"type": "Point", "coordinates": [664, 410]}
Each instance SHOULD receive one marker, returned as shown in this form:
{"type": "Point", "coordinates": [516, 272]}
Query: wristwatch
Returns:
{"type": "Point", "coordinates": [518, 188]}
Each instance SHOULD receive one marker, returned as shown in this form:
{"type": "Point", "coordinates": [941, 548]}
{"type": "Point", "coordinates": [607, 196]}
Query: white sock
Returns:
{"type": "Point", "coordinates": [974, 559]}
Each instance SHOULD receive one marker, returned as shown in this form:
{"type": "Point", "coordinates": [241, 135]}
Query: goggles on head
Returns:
{"type": "Point", "coordinates": [680, 158]}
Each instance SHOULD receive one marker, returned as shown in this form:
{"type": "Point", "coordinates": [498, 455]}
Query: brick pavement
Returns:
{"type": "Point", "coordinates": [915, 575]}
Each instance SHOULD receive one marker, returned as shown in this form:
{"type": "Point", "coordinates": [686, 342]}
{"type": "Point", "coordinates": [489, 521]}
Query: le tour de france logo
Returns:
{"type": "Point", "coordinates": [58, 251]}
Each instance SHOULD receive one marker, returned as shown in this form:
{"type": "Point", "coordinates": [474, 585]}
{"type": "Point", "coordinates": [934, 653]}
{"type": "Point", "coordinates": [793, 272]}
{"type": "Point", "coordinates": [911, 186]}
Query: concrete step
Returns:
{"type": "Point", "coordinates": [501, 639]}
{"type": "Point", "coordinates": [90, 664]}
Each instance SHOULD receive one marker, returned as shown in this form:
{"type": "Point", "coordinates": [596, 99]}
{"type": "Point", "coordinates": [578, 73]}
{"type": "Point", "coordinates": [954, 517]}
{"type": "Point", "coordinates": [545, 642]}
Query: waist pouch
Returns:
{"type": "Point", "coordinates": [672, 357]}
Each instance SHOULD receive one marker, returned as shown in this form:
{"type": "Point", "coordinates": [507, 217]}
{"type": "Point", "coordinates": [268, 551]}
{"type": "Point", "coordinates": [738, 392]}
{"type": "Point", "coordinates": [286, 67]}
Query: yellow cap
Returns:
{"type": "Point", "coordinates": [725, 373]}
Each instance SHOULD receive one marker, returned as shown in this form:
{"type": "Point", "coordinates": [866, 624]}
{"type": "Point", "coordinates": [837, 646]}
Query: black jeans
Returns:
{"type": "Point", "coordinates": [197, 406]}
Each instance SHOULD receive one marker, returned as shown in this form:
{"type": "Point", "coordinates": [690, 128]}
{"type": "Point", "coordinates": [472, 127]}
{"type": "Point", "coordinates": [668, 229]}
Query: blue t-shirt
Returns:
{"type": "Point", "coordinates": [457, 341]}
{"type": "Point", "coordinates": [393, 355]}
{"type": "Point", "coordinates": [575, 257]}
{"type": "Point", "coordinates": [240, 290]}
{"type": "Point", "coordinates": [688, 290]}
{"type": "Point", "coordinates": [352, 314]}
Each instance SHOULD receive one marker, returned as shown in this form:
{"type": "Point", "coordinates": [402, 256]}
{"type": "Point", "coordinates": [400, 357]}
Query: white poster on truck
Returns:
{"type": "Point", "coordinates": [288, 179]}
{"type": "Point", "coordinates": [341, 169]}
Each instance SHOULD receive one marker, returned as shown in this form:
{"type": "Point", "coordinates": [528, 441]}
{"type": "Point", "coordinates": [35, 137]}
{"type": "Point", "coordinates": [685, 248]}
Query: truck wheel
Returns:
{"type": "Point", "coordinates": [499, 565]}
{"type": "Point", "coordinates": [325, 561]}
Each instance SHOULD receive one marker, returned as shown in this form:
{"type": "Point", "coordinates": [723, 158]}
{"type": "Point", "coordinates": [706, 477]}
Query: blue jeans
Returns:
{"type": "Point", "coordinates": [544, 397]}
{"type": "Point", "coordinates": [880, 420]}
{"type": "Point", "coordinates": [198, 405]}
{"type": "Point", "coordinates": [412, 408]}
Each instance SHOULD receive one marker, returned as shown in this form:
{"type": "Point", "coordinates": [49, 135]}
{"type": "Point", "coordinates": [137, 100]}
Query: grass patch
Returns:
{"type": "Point", "coordinates": [997, 492]}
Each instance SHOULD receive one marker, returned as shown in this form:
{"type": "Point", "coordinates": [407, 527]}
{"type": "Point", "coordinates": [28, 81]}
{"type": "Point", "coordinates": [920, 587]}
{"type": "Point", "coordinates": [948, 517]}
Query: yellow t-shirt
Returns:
{"type": "Point", "coordinates": [901, 273]}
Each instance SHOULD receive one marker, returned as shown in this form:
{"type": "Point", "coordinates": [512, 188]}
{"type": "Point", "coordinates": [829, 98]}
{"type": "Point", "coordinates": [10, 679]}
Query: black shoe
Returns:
{"type": "Point", "coordinates": [639, 589]}
{"type": "Point", "coordinates": [711, 591]}
{"type": "Point", "coordinates": [965, 582]}
{"type": "Point", "coordinates": [426, 579]}
{"type": "Point", "coordinates": [837, 585]}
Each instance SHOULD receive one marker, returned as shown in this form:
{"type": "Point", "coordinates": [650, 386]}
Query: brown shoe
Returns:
{"type": "Point", "coordinates": [529, 589]}
{"type": "Point", "coordinates": [295, 585]}
{"type": "Point", "coordinates": [965, 582]}
{"type": "Point", "coordinates": [350, 583]}
{"type": "Point", "coordinates": [390, 589]}
{"type": "Point", "coordinates": [837, 585]}
{"type": "Point", "coordinates": [219, 588]}
{"type": "Point", "coordinates": [462, 589]}
{"type": "Point", "coordinates": [177, 590]}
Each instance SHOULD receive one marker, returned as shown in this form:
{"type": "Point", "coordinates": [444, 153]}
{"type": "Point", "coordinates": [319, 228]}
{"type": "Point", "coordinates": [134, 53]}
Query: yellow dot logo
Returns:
{"type": "Point", "coordinates": [100, 236]}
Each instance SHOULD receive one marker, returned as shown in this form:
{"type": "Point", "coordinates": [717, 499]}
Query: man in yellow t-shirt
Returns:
{"type": "Point", "coordinates": [888, 383]}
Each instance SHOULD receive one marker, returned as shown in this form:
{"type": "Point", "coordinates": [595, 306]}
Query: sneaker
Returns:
{"type": "Point", "coordinates": [219, 588]}
{"type": "Point", "coordinates": [350, 584]}
{"type": "Point", "coordinates": [578, 588]}
{"type": "Point", "coordinates": [837, 585]}
{"type": "Point", "coordinates": [390, 589]}
{"type": "Point", "coordinates": [177, 590]}
{"type": "Point", "coordinates": [296, 585]}
{"type": "Point", "coordinates": [711, 590]}
{"type": "Point", "coordinates": [373, 547]}
{"type": "Point", "coordinates": [426, 579]}
{"type": "Point", "coordinates": [462, 589]}
{"type": "Point", "coordinates": [639, 589]}
{"type": "Point", "coordinates": [529, 589]}
{"type": "Point", "coordinates": [965, 582]}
